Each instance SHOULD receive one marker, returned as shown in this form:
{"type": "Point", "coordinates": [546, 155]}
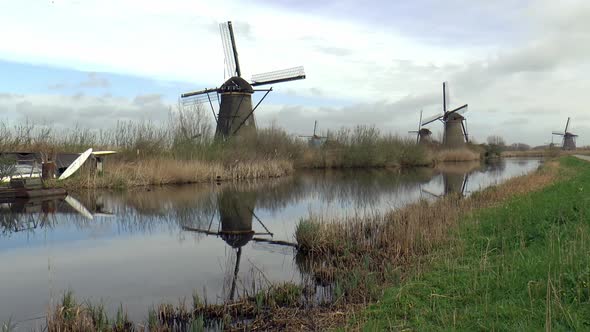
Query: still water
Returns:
{"type": "Point", "coordinates": [145, 247]}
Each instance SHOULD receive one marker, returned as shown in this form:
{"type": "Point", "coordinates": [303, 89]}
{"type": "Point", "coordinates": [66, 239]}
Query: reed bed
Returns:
{"type": "Point", "coordinates": [545, 153]}
{"type": "Point", "coordinates": [184, 149]}
{"type": "Point", "coordinates": [361, 253]}
{"type": "Point", "coordinates": [522, 265]}
{"type": "Point", "coordinates": [456, 155]}
{"type": "Point", "coordinates": [353, 260]}
{"type": "Point", "coordinates": [162, 171]}
{"type": "Point", "coordinates": [280, 307]}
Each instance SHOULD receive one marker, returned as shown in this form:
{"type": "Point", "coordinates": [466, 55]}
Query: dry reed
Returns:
{"type": "Point", "coordinates": [464, 154]}
{"type": "Point", "coordinates": [169, 171]}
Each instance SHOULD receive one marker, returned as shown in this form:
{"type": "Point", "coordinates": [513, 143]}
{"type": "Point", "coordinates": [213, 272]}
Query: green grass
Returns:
{"type": "Point", "coordinates": [520, 266]}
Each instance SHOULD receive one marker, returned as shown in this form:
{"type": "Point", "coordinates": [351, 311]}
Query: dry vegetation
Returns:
{"type": "Point", "coordinates": [183, 149]}
{"type": "Point", "coordinates": [414, 230]}
{"type": "Point", "coordinates": [464, 154]}
{"type": "Point", "coordinates": [355, 259]}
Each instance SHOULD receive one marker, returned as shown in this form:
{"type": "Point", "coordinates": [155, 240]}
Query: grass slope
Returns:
{"type": "Point", "coordinates": [520, 266]}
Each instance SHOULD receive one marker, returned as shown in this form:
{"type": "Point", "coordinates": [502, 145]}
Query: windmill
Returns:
{"type": "Point", "coordinates": [316, 140]}
{"type": "Point", "coordinates": [568, 138]}
{"type": "Point", "coordinates": [234, 96]}
{"type": "Point", "coordinates": [455, 125]}
{"type": "Point", "coordinates": [423, 135]}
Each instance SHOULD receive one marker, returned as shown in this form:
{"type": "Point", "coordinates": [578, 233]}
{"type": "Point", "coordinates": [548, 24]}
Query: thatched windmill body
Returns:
{"type": "Point", "coordinates": [568, 138]}
{"type": "Point", "coordinates": [423, 135]}
{"type": "Point", "coordinates": [236, 114]}
{"type": "Point", "coordinates": [455, 125]}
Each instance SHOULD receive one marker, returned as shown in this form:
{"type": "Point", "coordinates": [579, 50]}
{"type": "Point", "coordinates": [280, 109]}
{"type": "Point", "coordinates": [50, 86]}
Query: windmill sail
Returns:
{"type": "Point", "coordinates": [557, 133]}
{"type": "Point", "coordinates": [459, 110]}
{"type": "Point", "coordinates": [229, 49]}
{"type": "Point", "coordinates": [446, 98]}
{"type": "Point", "coordinates": [432, 119]}
{"type": "Point", "coordinates": [289, 74]}
{"type": "Point", "coordinates": [199, 92]}
{"type": "Point", "coordinates": [203, 98]}
{"type": "Point", "coordinates": [567, 125]}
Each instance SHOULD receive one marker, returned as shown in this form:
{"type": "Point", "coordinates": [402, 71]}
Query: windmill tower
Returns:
{"type": "Point", "coordinates": [455, 125]}
{"type": "Point", "coordinates": [423, 135]}
{"type": "Point", "coordinates": [315, 140]}
{"type": "Point", "coordinates": [236, 114]}
{"type": "Point", "coordinates": [568, 138]}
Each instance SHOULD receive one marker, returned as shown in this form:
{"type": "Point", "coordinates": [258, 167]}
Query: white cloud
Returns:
{"type": "Point", "coordinates": [371, 64]}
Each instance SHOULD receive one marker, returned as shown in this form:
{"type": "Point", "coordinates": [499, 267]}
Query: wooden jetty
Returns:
{"type": "Point", "coordinates": [14, 193]}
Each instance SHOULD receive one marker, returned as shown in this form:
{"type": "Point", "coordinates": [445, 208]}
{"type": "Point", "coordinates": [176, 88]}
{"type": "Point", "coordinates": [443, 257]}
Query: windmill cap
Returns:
{"type": "Point", "coordinates": [425, 131]}
{"type": "Point", "coordinates": [236, 84]}
{"type": "Point", "coordinates": [455, 116]}
{"type": "Point", "coordinates": [237, 239]}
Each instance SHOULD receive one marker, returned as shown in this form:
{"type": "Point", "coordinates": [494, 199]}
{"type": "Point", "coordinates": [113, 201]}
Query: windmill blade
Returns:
{"type": "Point", "coordinates": [432, 119]}
{"type": "Point", "coordinates": [315, 125]}
{"type": "Point", "coordinates": [199, 92]}
{"type": "Point", "coordinates": [446, 98]}
{"type": "Point", "coordinates": [460, 110]}
{"type": "Point", "coordinates": [464, 126]}
{"type": "Point", "coordinates": [419, 127]}
{"type": "Point", "coordinates": [567, 124]}
{"type": "Point", "coordinates": [557, 133]}
{"type": "Point", "coordinates": [229, 49]}
{"type": "Point", "coordinates": [430, 193]}
{"type": "Point", "coordinates": [203, 98]}
{"type": "Point", "coordinates": [464, 185]}
{"type": "Point", "coordinates": [277, 76]}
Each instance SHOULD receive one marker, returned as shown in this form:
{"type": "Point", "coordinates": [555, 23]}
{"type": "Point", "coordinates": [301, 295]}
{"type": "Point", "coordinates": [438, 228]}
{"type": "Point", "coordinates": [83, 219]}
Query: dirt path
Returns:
{"type": "Point", "coordinates": [587, 158]}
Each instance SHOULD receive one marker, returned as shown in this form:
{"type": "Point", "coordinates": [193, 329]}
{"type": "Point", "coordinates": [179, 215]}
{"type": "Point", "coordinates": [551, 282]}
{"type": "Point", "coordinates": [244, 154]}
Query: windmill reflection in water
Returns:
{"type": "Point", "coordinates": [235, 226]}
{"type": "Point", "coordinates": [455, 177]}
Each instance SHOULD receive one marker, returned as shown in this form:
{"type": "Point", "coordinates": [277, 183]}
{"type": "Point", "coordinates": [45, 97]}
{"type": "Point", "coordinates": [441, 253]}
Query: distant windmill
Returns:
{"type": "Point", "coordinates": [235, 95]}
{"type": "Point", "coordinates": [315, 140]}
{"type": "Point", "coordinates": [568, 138]}
{"type": "Point", "coordinates": [423, 135]}
{"type": "Point", "coordinates": [455, 130]}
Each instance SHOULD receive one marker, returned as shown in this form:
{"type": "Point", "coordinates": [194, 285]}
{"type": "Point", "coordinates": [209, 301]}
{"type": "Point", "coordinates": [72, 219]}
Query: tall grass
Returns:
{"type": "Point", "coordinates": [365, 146]}
{"type": "Point", "coordinates": [368, 249]}
{"type": "Point", "coordinates": [523, 265]}
{"type": "Point", "coordinates": [183, 149]}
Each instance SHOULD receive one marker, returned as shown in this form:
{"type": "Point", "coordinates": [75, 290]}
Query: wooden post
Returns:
{"type": "Point", "coordinates": [48, 170]}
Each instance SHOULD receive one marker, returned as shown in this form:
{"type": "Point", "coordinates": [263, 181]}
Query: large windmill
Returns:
{"type": "Point", "coordinates": [455, 130]}
{"type": "Point", "coordinates": [423, 135]}
{"type": "Point", "coordinates": [236, 113]}
{"type": "Point", "coordinates": [568, 138]}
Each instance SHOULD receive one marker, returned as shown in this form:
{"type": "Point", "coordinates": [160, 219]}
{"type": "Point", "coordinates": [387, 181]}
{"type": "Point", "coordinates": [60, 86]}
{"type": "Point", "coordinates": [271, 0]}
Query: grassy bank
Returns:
{"type": "Point", "coordinates": [348, 263]}
{"type": "Point", "coordinates": [183, 149]}
{"type": "Point", "coordinates": [520, 265]}
{"type": "Point", "coordinates": [544, 153]}
{"type": "Point", "coordinates": [162, 171]}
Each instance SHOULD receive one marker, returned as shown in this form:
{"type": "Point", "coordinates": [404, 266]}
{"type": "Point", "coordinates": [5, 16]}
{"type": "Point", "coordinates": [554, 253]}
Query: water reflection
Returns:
{"type": "Point", "coordinates": [108, 242]}
{"type": "Point", "coordinates": [236, 212]}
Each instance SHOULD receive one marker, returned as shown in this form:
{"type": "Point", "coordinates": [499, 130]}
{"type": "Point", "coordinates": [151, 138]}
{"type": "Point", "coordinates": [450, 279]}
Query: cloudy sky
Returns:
{"type": "Point", "coordinates": [522, 66]}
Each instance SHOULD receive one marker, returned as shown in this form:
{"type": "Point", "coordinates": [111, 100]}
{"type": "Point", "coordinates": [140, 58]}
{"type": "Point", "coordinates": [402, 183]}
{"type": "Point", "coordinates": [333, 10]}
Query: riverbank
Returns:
{"type": "Point", "coordinates": [353, 273]}
{"type": "Point", "coordinates": [161, 171]}
{"type": "Point", "coordinates": [184, 150]}
{"type": "Point", "coordinates": [552, 152]}
{"type": "Point", "coordinates": [121, 173]}
{"type": "Point", "coordinates": [520, 265]}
